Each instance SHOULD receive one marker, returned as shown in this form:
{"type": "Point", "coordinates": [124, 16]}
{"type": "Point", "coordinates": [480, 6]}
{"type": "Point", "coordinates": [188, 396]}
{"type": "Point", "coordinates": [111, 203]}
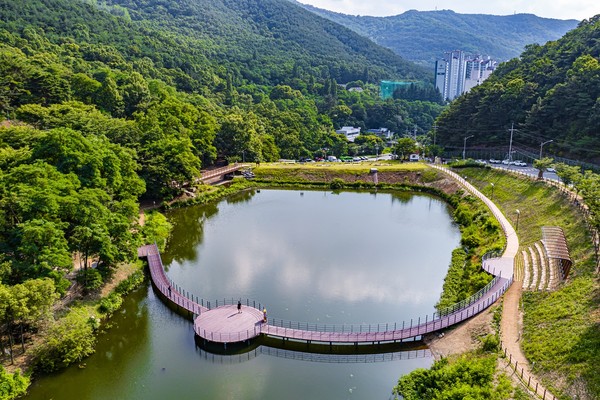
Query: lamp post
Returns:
{"type": "Point", "coordinates": [492, 184]}
{"type": "Point", "coordinates": [465, 145]}
{"type": "Point", "coordinates": [542, 145]}
{"type": "Point", "coordinates": [376, 152]}
{"type": "Point", "coordinates": [518, 215]}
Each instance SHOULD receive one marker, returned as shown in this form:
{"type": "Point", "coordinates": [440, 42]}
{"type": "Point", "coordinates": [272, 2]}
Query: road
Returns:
{"type": "Point", "coordinates": [527, 170]}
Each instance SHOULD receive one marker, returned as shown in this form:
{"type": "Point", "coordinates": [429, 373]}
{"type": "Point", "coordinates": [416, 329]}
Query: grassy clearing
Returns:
{"type": "Point", "coordinates": [561, 332]}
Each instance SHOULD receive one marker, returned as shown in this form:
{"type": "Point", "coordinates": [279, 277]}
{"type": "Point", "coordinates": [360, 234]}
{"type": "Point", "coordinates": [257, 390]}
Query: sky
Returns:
{"type": "Point", "coordinates": [560, 9]}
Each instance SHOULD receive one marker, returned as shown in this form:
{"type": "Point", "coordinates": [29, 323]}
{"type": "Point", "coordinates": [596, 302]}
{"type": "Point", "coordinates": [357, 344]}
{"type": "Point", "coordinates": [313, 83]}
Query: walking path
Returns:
{"type": "Point", "coordinates": [511, 324]}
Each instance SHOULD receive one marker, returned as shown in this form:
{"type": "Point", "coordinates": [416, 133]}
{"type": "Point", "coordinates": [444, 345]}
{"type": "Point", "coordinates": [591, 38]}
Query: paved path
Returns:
{"type": "Point", "coordinates": [511, 324]}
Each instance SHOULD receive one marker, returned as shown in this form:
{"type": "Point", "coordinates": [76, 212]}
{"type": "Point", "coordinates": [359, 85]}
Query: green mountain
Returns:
{"type": "Point", "coordinates": [272, 36]}
{"type": "Point", "coordinates": [184, 84]}
{"type": "Point", "coordinates": [551, 92]}
{"type": "Point", "coordinates": [423, 36]}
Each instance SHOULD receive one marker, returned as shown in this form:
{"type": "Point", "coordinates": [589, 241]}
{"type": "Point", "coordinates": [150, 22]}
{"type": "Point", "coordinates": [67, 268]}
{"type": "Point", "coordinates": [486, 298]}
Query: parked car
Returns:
{"type": "Point", "coordinates": [520, 163]}
{"type": "Point", "coordinates": [413, 157]}
{"type": "Point", "coordinates": [494, 161]}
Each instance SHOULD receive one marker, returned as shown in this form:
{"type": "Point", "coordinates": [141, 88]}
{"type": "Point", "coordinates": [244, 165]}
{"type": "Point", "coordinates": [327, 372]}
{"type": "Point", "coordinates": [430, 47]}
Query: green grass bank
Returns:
{"type": "Point", "coordinates": [561, 329]}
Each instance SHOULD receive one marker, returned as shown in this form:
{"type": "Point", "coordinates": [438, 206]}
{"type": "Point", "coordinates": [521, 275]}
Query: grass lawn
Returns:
{"type": "Point", "coordinates": [561, 329]}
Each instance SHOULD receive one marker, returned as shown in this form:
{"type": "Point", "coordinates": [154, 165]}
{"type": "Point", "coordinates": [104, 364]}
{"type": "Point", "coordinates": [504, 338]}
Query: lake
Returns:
{"type": "Point", "coordinates": [309, 256]}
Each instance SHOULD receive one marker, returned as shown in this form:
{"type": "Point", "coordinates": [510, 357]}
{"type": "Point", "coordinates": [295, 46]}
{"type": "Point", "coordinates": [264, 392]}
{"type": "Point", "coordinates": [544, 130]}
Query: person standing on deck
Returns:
{"type": "Point", "coordinates": [239, 306]}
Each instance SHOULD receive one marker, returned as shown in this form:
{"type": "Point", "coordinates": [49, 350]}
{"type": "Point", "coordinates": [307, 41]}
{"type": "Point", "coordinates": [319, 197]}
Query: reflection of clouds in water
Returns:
{"type": "Point", "coordinates": [296, 274]}
{"type": "Point", "coordinates": [254, 261]}
{"type": "Point", "coordinates": [243, 383]}
{"type": "Point", "coordinates": [338, 284]}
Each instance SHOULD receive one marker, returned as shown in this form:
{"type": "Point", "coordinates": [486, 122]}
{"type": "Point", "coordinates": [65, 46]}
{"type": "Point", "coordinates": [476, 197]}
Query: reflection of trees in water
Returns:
{"type": "Point", "coordinates": [187, 232]}
{"type": "Point", "coordinates": [128, 334]}
{"type": "Point", "coordinates": [240, 197]}
{"type": "Point", "coordinates": [402, 197]}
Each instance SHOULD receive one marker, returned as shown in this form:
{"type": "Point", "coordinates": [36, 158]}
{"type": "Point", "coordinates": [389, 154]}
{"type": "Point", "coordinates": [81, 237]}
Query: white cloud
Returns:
{"type": "Point", "coordinates": [561, 9]}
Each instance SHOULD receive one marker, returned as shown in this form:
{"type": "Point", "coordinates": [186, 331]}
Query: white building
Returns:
{"type": "Point", "coordinates": [350, 132]}
{"type": "Point", "coordinates": [456, 73]}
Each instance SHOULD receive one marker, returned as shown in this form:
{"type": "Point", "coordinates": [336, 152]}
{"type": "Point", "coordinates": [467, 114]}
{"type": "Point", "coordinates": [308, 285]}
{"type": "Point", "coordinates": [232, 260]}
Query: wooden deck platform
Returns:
{"type": "Point", "coordinates": [225, 325]}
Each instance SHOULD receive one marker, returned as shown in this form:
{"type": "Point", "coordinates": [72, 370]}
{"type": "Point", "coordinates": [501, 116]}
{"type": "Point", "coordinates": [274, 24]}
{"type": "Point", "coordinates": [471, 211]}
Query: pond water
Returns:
{"type": "Point", "coordinates": [309, 256]}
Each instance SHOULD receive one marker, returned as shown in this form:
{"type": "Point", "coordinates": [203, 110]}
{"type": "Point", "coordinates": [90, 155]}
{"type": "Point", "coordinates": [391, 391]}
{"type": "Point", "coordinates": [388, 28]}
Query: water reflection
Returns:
{"type": "Point", "coordinates": [349, 258]}
{"type": "Point", "coordinates": [188, 232]}
{"type": "Point", "coordinates": [314, 357]}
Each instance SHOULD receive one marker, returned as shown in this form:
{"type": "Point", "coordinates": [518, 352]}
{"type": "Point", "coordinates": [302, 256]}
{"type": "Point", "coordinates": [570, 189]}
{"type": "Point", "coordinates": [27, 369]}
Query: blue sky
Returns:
{"type": "Point", "coordinates": [561, 9]}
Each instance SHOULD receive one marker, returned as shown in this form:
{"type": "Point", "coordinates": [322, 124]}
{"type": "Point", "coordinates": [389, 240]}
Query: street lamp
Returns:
{"type": "Point", "coordinates": [542, 145]}
{"type": "Point", "coordinates": [465, 145]}
{"type": "Point", "coordinates": [518, 215]}
{"type": "Point", "coordinates": [376, 152]}
{"type": "Point", "coordinates": [492, 184]}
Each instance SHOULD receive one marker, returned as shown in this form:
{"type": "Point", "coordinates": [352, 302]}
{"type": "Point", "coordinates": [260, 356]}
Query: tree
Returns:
{"type": "Point", "coordinates": [569, 175]}
{"type": "Point", "coordinates": [404, 147]}
{"type": "Point", "coordinates": [69, 340]}
{"type": "Point", "coordinates": [156, 229]}
{"type": "Point", "coordinates": [43, 246]}
{"type": "Point", "coordinates": [542, 164]}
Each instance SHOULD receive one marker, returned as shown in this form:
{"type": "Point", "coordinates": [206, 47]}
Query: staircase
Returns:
{"type": "Point", "coordinates": [535, 270]}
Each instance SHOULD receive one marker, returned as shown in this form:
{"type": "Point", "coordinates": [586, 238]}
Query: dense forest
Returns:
{"type": "Point", "coordinates": [162, 93]}
{"type": "Point", "coordinates": [424, 36]}
{"type": "Point", "coordinates": [550, 93]}
{"type": "Point", "coordinates": [106, 104]}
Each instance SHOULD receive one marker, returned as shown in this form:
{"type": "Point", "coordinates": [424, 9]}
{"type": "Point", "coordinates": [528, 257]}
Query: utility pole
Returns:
{"type": "Point", "coordinates": [465, 145]}
{"type": "Point", "coordinates": [415, 133]}
{"type": "Point", "coordinates": [434, 132]}
{"type": "Point", "coordinates": [512, 130]}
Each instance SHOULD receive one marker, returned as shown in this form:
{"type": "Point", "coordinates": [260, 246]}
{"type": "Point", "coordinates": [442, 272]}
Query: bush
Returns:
{"type": "Point", "coordinates": [490, 343]}
{"type": "Point", "coordinates": [110, 304]}
{"type": "Point", "coordinates": [467, 377]}
{"type": "Point", "coordinates": [89, 278]}
{"type": "Point", "coordinates": [12, 385]}
{"type": "Point", "coordinates": [69, 340]}
{"type": "Point", "coordinates": [130, 283]}
{"type": "Point", "coordinates": [337, 184]}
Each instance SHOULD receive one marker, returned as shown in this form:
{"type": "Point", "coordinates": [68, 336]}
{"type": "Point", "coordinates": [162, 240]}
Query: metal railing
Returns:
{"type": "Point", "coordinates": [414, 327]}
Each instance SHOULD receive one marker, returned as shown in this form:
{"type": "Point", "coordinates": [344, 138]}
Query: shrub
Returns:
{"type": "Point", "coordinates": [490, 343]}
{"type": "Point", "coordinates": [337, 184]}
{"type": "Point", "coordinates": [69, 340]}
{"type": "Point", "coordinates": [89, 278]}
{"type": "Point", "coordinates": [130, 283]}
{"type": "Point", "coordinates": [12, 385]}
{"type": "Point", "coordinates": [110, 304]}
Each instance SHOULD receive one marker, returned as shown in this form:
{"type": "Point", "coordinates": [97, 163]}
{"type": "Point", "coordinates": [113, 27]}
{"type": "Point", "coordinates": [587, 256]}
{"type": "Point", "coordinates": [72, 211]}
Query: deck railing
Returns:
{"type": "Point", "coordinates": [414, 327]}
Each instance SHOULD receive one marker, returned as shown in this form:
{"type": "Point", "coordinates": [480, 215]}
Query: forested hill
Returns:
{"type": "Point", "coordinates": [423, 36]}
{"type": "Point", "coordinates": [181, 86]}
{"type": "Point", "coordinates": [551, 92]}
{"type": "Point", "coordinates": [101, 105]}
{"type": "Point", "coordinates": [262, 40]}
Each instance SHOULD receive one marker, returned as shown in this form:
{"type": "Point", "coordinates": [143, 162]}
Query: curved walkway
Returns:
{"type": "Point", "coordinates": [510, 325]}
{"type": "Point", "coordinates": [221, 325]}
